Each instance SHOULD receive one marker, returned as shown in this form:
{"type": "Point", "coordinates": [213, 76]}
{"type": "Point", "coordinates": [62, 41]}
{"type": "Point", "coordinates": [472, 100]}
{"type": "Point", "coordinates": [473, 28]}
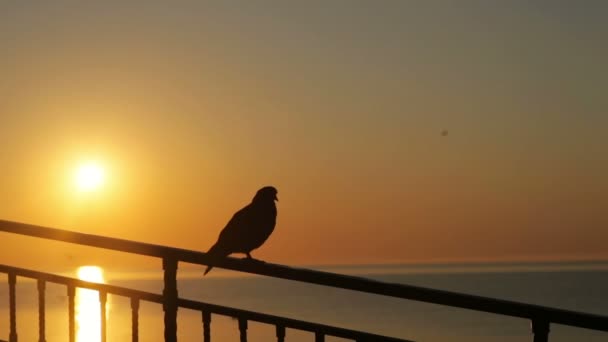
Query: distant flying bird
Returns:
{"type": "Point", "coordinates": [444, 133]}
{"type": "Point", "coordinates": [249, 228]}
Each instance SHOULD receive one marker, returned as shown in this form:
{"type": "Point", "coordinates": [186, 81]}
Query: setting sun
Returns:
{"type": "Point", "coordinates": [89, 177]}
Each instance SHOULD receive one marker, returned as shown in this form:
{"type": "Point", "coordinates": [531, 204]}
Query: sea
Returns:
{"type": "Point", "coordinates": [579, 286]}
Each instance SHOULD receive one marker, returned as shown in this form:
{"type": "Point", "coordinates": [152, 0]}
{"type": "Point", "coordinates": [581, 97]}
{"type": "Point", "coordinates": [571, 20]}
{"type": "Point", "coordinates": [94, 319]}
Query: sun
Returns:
{"type": "Point", "coordinates": [89, 176]}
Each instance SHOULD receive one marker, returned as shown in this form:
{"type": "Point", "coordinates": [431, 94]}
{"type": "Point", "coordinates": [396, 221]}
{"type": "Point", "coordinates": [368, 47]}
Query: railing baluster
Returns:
{"type": "Point", "coordinates": [319, 337]}
{"type": "Point", "coordinates": [71, 313]}
{"type": "Point", "coordinates": [103, 299]}
{"type": "Point", "coordinates": [41, 311]}
{"type": "Point", "coordinates": [134, 319]}
{"type": "Point", "coordinates": [12, 282]}
{"type": "Point", "coordinates": [170, 298]}
{"type": "Point", "coordinates": [280, 333]}
{"type": "Point", "coordinates": [243, 329]}
{"type": "Point", "coordinates": [540, 329]}
{"type": "Point", "coordinates": [206, 326]}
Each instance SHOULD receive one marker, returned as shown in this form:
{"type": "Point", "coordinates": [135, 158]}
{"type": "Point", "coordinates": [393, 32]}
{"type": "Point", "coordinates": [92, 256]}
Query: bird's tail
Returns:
{"type": "Point", "coordinates": [213, 252]}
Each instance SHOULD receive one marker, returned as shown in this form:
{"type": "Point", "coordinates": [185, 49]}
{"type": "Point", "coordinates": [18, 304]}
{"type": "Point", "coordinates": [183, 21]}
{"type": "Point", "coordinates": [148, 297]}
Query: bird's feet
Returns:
{"type": "Point", "coordinates": [249, 258]}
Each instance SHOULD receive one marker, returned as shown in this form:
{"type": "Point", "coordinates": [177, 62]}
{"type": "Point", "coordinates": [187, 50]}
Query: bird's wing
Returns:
{"type": "Point", "coordinates": [236, 227]}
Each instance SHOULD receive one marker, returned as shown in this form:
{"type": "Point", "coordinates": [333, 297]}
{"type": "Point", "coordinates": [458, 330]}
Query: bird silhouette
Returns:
{"type": "Point", "coordinates": [249, 228]}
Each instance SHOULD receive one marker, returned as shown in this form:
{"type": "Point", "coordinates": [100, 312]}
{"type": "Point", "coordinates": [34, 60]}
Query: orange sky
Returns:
{"type": "Point", "coordinates": [341, 106]}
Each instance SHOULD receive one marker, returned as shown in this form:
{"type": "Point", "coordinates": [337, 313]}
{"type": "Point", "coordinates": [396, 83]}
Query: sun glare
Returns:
{"type": "Point", "coordinates": [89, 177]}
{"type": "Point", "coordinates": [88, 309]}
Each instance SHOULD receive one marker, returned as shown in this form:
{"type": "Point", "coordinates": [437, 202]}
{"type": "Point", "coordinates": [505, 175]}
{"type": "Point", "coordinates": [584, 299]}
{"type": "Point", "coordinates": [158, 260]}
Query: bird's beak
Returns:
{"type": "Point", "coordinates": [276, 198]}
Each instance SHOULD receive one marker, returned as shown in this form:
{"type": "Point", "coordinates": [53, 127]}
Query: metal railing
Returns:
{"type": "Point", "coordinates": [136, 296]}
{"type": "Point", "coordinates": [540, 316]}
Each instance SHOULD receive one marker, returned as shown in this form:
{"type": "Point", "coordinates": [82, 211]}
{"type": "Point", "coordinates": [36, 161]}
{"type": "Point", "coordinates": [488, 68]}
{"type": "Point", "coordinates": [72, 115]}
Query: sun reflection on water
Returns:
{"type": "Point", "coordinates": [88, 314]}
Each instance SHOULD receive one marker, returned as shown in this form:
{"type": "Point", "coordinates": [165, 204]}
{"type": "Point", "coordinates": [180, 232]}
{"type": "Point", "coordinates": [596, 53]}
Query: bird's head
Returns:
{"type": "Point", "coordinates": [266, 194]}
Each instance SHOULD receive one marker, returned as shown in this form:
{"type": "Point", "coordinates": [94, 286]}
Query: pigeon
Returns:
{"type": "Point", "coordinates": [249, 228]}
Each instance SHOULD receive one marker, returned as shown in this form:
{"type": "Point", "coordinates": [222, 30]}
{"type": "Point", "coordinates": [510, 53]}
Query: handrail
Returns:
{"type": "Point", "coordinates": [538, 314]}
{"type": "Point", "coordinates": [199, 306]}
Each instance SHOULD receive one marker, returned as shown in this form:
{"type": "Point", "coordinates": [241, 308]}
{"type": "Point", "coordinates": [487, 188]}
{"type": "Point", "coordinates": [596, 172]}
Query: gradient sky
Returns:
{"type": "Point", "coordinates": [192, 106]}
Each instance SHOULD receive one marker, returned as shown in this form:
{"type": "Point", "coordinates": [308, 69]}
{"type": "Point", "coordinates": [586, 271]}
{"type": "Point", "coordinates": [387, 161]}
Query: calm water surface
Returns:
{"type": "Point", "coordinates": [573, 286]}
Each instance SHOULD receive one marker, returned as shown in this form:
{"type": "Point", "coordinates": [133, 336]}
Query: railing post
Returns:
{"type": "Point", "coordinates": [12, 282]}
{"type": "Point", "coordinates": [280, 333]}
{"type": "Point", "coordinates": [134, 319]}
{"type": "Point", "coordinates": [71, 313]}
{"type": "Point", "coordinates": [540, 329]}
{"type": "Point", "coordinates": [243, 329]}
{"type": "Point", "coordinates": [319, 337]}
{"type": "Point", "coordinates": [170, 298]}
{"type": "Point", "coordinates": [41, 311]}
{"type": "Point", "coordinates": [206, 326]}
{"type": "Point", "coordinates": [103, 298]}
